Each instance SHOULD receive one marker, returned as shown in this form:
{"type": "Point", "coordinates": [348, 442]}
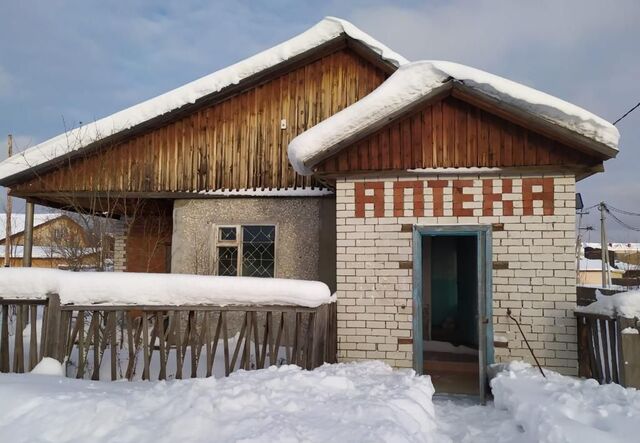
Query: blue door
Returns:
{"type": "Point", "coordinates": [452, 315]}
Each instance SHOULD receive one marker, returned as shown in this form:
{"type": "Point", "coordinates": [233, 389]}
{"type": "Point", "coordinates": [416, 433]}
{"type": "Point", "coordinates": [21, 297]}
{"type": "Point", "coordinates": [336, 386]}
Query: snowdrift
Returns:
{"type": "Point", "coordinates": [561, 409]}
{"type": "Point", "coordinates": [343, 403]}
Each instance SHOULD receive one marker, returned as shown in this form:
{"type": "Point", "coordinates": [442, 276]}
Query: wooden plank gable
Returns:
{"type": "Point", "coordinates": [451, 133]}
{"type": "Point", "coordinates": [234, 144]}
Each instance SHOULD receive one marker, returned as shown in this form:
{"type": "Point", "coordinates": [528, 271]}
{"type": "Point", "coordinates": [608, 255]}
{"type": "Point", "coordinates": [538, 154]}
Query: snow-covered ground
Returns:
{"type": "Point", "coordinates": [562, 409]}
{"type": "Point", "coordinates": [359, 402]}
{"type": "Point", "coordinates": [349, 402]}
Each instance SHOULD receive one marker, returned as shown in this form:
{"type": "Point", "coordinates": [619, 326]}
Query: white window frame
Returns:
{"type": "Point", "coordinates": [237, 243]}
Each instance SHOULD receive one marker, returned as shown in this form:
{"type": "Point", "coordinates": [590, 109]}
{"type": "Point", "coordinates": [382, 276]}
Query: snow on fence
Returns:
{"type": "Point", "coordinates": [163, 341]}
{"type": "Point", "coordinates": [608, 340]}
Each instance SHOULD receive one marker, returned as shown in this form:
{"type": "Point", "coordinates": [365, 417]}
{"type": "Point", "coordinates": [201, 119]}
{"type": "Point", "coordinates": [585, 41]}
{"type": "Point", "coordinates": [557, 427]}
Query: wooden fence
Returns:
{"type": "Point", "coordinates": [24, 312]}
{"type": "Point", "coordinates": [605, 353]}
{"type": "Point", "coordinates": [163, 342]}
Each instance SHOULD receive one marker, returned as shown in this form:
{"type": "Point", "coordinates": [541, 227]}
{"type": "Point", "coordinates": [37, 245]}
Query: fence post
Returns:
{"type": "Point", "coordinates": [4, 340]}
{"type": "Point", "coordinates": [629, 351]}
{"type": "Point", "coordinates": [52, 346]}
{"type": "Point", "coordinates": [332, 333]}
{"type": "Point", "coordinates": [319, 334]}
{"type": "Point", "coordinates": [584, 362]}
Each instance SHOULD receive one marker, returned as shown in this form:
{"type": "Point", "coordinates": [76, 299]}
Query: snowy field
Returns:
{"type": "Point", "coordinates": [366, 402]}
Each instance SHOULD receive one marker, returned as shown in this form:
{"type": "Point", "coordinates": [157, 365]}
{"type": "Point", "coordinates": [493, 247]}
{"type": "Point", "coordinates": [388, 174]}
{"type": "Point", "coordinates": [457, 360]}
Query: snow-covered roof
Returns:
{"type": "Point", "coordinates": [624, 304]}
{"type": "Point", "coordinates": [419, 81]}
{"type": "Point", "coordinates": [328, 29]}
{"type": "Point", "coordinates": [590, 264]}
{"type": "Point", "coordinates": [626, 247]}
{"type": "Point", "coordinates": [17, 222]}
{"type": "Point", "coordinates": [17, 251]}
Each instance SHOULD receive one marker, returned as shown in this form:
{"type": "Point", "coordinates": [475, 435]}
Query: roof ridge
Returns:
{"type": "Point", "coordinates": [421, 80]}
{"type": "Point", "coordinates": [328, 29]}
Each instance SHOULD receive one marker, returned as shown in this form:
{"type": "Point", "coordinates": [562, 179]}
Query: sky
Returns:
{"type": "Point", "coordinates": [64, 62]}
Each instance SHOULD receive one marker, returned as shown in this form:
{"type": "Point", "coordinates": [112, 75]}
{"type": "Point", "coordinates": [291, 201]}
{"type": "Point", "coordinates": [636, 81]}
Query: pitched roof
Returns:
{"type": "Point", "coordinates": [17, 222]}
{"type": "Point", "coordinates": [418, 82]}
{"type": "Point", "coordinates": [326, 31]}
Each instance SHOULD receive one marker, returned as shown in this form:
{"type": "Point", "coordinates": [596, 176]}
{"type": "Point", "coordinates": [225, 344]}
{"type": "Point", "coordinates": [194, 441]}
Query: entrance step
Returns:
{"type": "Point", "coordinates": [451, 367]}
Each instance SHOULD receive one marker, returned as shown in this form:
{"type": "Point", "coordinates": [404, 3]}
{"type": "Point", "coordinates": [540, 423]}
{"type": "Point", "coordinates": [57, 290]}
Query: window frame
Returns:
{"type": "Point", "coordinates": [238, 244]}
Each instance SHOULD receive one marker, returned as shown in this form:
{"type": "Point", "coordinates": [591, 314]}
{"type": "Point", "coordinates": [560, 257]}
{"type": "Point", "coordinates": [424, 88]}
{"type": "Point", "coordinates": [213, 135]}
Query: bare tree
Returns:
{"type": "Point", "coordinates": [96, 206]}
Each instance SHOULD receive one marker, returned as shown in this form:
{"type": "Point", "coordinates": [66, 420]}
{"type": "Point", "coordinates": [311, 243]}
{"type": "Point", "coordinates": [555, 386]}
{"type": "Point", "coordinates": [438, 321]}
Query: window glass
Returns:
{"type": "Point", "coordinates": [258, 251]}
{"type": "Point", "coordinates": [228, 261]}
{"type": "Point", "coordinates": [227, 233]}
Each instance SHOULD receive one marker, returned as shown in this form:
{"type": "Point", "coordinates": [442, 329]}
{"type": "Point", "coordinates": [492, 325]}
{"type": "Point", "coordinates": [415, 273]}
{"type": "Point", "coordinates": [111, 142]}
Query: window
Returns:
{"type": "Point", "coordinates": [227, 233]}
{"type": "Point", "coordinates": [247, 250]}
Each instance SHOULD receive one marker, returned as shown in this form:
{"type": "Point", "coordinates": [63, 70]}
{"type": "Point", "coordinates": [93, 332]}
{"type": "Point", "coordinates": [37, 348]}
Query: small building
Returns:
{"type": "Point", "coordinates": [436, 199]}
{"type": "Point", "coordinates": [58, 242]}
{"type": "Point", "coordinates": [625, 255]}
{"type": "Point", "coordinates": [590, 272]}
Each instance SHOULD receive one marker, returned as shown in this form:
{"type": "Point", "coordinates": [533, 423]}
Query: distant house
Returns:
{"type": "Point", "coordinates": [432, 197]}
{"type": "Point", "coordinates": [625, 255]}
{"type": "Point", "coordinates": [58, 241]}
{"type": "Point", "coordinates": [590, 272]}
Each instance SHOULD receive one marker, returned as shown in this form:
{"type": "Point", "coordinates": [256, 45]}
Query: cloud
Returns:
{"type": "Point", "coordinates": [488, 32]}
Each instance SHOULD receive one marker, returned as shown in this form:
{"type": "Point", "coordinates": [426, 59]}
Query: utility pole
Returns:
{"type": "Point", "coordinates": [604, 250]}
{"type": "Point", "coordinates": [7, 227]}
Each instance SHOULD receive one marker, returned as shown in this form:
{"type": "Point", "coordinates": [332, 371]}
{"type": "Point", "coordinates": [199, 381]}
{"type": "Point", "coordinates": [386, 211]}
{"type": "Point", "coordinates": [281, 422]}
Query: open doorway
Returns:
{"type": "Point", "coordinates": [451, 287]}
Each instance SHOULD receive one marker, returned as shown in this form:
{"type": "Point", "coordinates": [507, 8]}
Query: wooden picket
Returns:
{"type": "Point", "coordinates": [600, 353]}
{"type": "Point", "coordinates": [24, 313]}
{"type": "Point", "coordinates": [82, 336]}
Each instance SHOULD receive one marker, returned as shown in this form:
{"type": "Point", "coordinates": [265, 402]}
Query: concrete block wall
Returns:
{"type": "Point", "coordinates": [533, 247]}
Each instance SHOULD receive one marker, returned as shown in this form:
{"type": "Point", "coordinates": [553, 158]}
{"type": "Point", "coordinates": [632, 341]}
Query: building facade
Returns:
{"type": "Point", "coordinates": [530, 222]}
{"type": "Point", "coordinates": [437, 200]}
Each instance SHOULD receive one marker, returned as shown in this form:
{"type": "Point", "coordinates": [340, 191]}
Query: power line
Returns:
{"type": "Point", "coordinates": [622, 211]}
{"type": "Point", "coordinates": [586, 210]}
{"type": "Point", "coordinates": [627, 113]}
{"type": "Point", "coordinates": [620, 222]}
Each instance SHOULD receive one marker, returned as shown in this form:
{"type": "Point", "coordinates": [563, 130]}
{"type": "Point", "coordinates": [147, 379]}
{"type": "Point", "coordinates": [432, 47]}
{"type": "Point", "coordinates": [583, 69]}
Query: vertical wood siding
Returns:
{"type": "Point", "coordinates": [451, 133]}
{"type": "Point", "coordinates": [234, 144]}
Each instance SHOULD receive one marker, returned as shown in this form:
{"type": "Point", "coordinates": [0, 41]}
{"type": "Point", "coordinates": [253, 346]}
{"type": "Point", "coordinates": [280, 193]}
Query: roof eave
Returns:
{"type": "Point", "coordinates": [341, 41]}
{"type": "Point", "coordinates": [504, 110]}
{"type": "Point", "coordinates": [532, 121]}
{"type": "Point", "coordinates": [434, 95]}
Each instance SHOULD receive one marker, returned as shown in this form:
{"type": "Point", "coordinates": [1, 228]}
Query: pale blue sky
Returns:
{"type": "Point", "coordinates": [64, 62]}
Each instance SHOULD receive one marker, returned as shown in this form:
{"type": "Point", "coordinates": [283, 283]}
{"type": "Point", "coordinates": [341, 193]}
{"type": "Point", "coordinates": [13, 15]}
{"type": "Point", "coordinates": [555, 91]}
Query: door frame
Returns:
{"type": "Point", "coordinates": [485, 296]}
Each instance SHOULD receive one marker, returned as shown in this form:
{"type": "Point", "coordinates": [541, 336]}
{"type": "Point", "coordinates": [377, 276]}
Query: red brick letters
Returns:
{"type": "Point", "coordinates": [533, 189]}
{"type": "Point", "coordinates": [377, 198]}
{"type": "Point", "coordinates": [459, 198]}
{"type": "Point", "coordinates": [417, 187]}
{"type": "Point", "coordinates": [438, 196]}
{"type": "Point", "coordinates": [489, 197]}
{"type": "Point", "coordinates": [546, 195]}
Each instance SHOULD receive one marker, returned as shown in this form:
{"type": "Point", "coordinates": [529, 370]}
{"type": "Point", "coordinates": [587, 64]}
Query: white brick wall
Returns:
{"type": "Point", "coordinates": [119, 249]}
{"type": "Point", "coordinates": [375, 291]}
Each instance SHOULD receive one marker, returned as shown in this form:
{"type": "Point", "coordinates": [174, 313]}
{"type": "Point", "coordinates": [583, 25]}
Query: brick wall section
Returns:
{"type": "Point", "coordinates": [120, 249]}
{"type": "Point", "coordinates": [534, 238]}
